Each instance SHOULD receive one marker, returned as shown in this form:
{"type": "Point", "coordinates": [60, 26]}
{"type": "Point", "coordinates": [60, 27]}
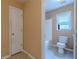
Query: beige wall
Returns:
{"type": "Point", "coordinates": [16, 3]}
{"type": "Point", "coordinates": [5, 24]}
{"type": "Point", "coordinates": [52, 14]}
{"type": "Point", "coordinates": [4, 28]}
{"type": "Point", "coordinates": [32, 28]}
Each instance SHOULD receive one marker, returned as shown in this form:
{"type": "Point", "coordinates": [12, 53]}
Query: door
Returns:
{"type": "Point", "coordinates": [16, 29]}
{"type": "Point", "coordinates": [48, 29]}
{"type": "Point", "coordinates": [48, 37]}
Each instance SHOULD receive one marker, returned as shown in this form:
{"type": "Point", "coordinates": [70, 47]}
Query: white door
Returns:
{"type": "Point", "coordinates": [16, 29]}
{"type": "Point", "coordinates": [48, 37]}
{"type": "Point", "coordinates": [48, 29]}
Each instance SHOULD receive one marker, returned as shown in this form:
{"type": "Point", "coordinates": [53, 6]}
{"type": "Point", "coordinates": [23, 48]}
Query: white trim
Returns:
{"type": "Point", "coordinates": [75, 30]}
{"type": "Point", "coordinates": [30, 55]}
{"type": "Point", "coordinates": [42, 28]}
{"type": "Point", "coordinates": [71, 50]}
{"type": "Point", "coordinates": [9, 33]}
{"type": "Point", "coordinates": [5, 57]}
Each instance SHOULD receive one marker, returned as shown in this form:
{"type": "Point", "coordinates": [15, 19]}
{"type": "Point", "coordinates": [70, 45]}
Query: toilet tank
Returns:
{"type": "Point", "coordinates": [63, 39]}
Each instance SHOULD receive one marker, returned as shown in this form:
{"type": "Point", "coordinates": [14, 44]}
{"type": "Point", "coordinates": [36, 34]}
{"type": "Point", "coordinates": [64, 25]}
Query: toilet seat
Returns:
{"type": "Point", "coordinates": [61, 45]}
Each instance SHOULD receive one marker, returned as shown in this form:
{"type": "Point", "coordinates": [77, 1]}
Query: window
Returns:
{"type": "Point", "coordinates": [64, 21]}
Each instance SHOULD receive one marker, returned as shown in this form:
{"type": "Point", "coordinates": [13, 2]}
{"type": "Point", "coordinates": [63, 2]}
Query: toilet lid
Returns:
{"type": "Point", "coordinates": [61, 45]}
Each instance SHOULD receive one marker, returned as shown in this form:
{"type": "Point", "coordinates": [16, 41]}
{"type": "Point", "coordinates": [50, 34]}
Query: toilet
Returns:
{"type": "Point", "coordinates": [61, 44]}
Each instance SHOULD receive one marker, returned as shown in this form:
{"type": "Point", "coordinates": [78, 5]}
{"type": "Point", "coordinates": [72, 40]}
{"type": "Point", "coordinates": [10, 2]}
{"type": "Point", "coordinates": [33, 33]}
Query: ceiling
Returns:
{"type": "Point", "coordinates": [54, 4]}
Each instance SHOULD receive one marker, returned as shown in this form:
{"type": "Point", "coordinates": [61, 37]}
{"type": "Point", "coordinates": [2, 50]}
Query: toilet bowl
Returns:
{"type": "Point", "coordinates": [61, 44]}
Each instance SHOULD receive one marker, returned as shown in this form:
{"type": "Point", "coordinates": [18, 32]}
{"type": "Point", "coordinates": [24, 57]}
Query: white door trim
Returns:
{"type": "Point", "coordinates": [75, 30]}
{"type": "Point", "coordinates": [42, 28]}
{"type": "Point", "coordinates": [10, 31]}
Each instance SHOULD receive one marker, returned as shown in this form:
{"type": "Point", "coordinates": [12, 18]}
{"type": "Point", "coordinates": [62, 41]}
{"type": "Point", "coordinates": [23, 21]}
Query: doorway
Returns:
{"type": "Point", "coordinates": [15, 30]}
{"type": "Point", "coordinates": [58, 9]}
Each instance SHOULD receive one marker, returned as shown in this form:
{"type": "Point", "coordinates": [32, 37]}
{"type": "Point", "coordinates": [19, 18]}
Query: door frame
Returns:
{"type": "Point", "coordinates": [42, 28]}
{"type": "Point", "coordinates": [10, 45]}
{"type": "Point", "coordinates": [75, 30]}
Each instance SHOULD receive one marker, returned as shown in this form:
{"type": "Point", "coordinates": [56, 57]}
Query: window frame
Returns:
{"type": "Point", "coordinates": [70, 25]}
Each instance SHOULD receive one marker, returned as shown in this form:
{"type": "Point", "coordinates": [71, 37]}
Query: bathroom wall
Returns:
{"type": "Point", "coordinates": [5, 24]}
{"type": "Point", "coordinates": [52, 14]}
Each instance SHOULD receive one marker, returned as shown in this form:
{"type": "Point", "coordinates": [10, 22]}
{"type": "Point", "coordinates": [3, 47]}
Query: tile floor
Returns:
{"type": "Point", "coordinates": [51, 53]}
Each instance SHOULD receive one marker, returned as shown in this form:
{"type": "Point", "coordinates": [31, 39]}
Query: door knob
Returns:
{"type": "Point", "coordinates": [12, 33]}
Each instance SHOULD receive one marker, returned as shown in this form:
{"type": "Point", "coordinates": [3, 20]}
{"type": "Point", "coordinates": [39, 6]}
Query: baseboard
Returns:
{"type": "Point", "coordinates": [5, 57]}
{"type": "Point", "coordinates": [31, 56]}
{"type": "Point", "coordinates": [68, 49]}
{"type": "Point", "coordinates": [71, 50]}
